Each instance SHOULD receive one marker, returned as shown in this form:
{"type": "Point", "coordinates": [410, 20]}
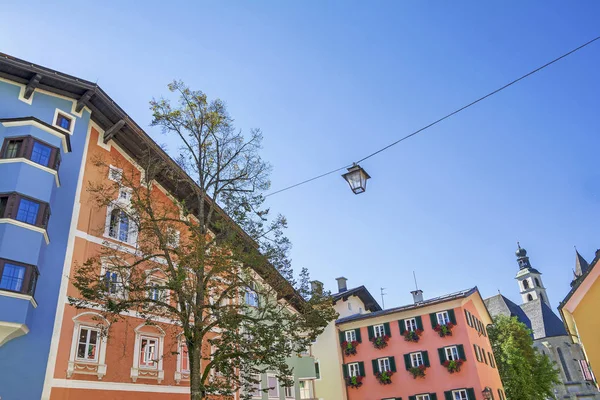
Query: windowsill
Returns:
{"type": "Point", "coordinates": [88, 362]}
{"type": "Point", "coordinates": [16, 295]}
{"type": "Point", "coordinates": [117, 241]}
{"type": "Point", "coordinates": [33, 164]}
{"type": "Point", "coordinates": [26, 226]}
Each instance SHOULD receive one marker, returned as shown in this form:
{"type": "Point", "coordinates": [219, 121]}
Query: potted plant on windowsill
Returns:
{"type": "Point", "coordinates": [418, 372]}
{"type": "Point", "coordinates": [453, 365]}
{"type": "Point", "coordinates": [349, 347]}
{"type": "Point", "coordinates": [385, 377]}
{"type": "Point", "coordinates": [380, 342]}
{"type": "Point", "coordinates": [445, 329]}
{"type": "Point", "coordinates": [354, 381]}
{"type": "Point", "coordinates": [412, 336]}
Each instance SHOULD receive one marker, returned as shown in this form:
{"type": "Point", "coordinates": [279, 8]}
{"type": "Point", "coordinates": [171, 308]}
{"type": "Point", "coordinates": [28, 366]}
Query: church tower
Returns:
{"type": "Point", "coordinates": [530, 279]}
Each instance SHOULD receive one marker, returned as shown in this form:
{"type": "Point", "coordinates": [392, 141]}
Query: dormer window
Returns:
{"type": "Point", "coordinates": [64, 122]}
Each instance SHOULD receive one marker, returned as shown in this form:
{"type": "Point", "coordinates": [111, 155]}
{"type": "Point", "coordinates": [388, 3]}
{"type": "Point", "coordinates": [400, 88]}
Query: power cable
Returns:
{"type": "Point", "coordinates": [441, 119]}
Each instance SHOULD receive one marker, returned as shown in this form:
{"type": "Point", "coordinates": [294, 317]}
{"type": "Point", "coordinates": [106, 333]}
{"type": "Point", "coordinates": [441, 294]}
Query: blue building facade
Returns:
{"type": "Point", "coordinates": [43, 143]}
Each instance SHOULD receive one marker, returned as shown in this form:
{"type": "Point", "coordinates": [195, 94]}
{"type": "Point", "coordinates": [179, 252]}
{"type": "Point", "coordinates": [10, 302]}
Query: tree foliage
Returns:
{"type": "Point", "coordinates": [526, 373]}
{"type": "Point", "coordinates": [210, 261]}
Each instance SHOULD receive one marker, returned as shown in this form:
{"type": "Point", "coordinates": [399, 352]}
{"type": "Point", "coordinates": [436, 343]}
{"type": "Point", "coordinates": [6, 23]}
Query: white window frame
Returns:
{"type": "Point", "coordinates": [384, 364]}
{"type": "Point", "coordinates": [251, 297]}
{"type": "Point", "coordinates": [410, 324]}
{"type": "Point", "coordinates": [462, 394]}
{"type": "Point", "coordinates": [289, 392]}
{"type": "Point", "coordinates": [416, 359]}
{"type": "Point", "coordinates": [469, 318]}
{"type": "Point", "coordinates": [257, 392]}
{"type": "Point", "coordinates": [307, 386]}
{"type": "Point", "coordinates": [121, 292]}
{"type": "Point", "coordinates": [66, 115]}
{"type": "Point", "coordinates": [173, 236]}
{"type": "Point", "coordinates": [115, 174]}
{"type": "Point", "coordinates": [379, 330]}
{"type": "Point", "coordinates": [423, 396]}
{"type": "Point", "coordinates": [87, 343]}
{"type": "Point", "coordinates": [452, 353]}
{"type": "Point", "coordinates": [132, 232]}
{"type": "Point", "coordinates": [350, 335]}
{"type": "Point", "coordinates": [180, 373]}
{"type": "Point", "coordinates": [158, 373]}
{"type": "Point", "coordinates": [353, 369]}
{"type": "Point", "coordinates": [164, 293]}
{"type": "Point", "coordinates": [274, 387]}
{"type": "Point", "coordinates": [97, 367]}
{"type": "Point", "coordinates": [443, 317]}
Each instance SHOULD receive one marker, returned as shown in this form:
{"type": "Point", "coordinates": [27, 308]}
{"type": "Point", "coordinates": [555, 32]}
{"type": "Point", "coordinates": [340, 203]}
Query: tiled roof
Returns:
{"type": "Point", "coordinates": [535, 314]}
{"type": "Point", "coordinates": [441, 299]}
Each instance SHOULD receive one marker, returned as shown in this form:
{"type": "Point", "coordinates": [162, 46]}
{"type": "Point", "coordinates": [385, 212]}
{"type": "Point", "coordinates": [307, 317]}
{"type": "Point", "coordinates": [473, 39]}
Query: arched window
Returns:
{"type": "Point", "coordinates": [537, 282]}
{"type": "Point", "coordinates": [525, 284]}
{"type": "Point", "coordinates": [119, 225]}
{"type": "Point", "coordinates": [529, 297]}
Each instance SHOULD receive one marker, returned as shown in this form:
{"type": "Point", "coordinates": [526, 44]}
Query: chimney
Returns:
{"type": "Point", "coordinates": [316, 287]}
{"type": "Point", "coordinates": [341, 284]}
{"type": "Point", "coordinates": [417, 296]}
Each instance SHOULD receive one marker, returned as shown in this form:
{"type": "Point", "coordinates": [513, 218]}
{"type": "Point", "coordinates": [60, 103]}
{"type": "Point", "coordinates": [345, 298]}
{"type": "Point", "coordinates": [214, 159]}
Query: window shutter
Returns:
{"type": "Point", "coordinates": [452, 316]}
{"type": "Point", "coordinates": [476, 353]}
{"type": "Point", "coordinates": [345, 370]}
{"type": "Point", "coordinates": [361, 368]}
{"type": "Point", "coordinates": [433, 318]}
{"type": "Point", "coordinates": [500, 394]}
{"type": "Point", "coordinates": [392, 364]}
{"type": "Point", "coordinates": [483, 330]}
{"type": "Point", "coordinates": [386, 328]}
{"type": "Point", "coordinates": [402, 326]}
{"type": "Point", "coordinates": [375, 366]}
{"type": "Point", "coordinates": [469, 322]}
{"type": "Point", "coordinates": [483, 356]}
{"type": "Point", "coordinates": [412, 397]}
{"type": "Point", "coordinates": [461, 352]}
{"type": "Point", "coordinates": [425, 358]}
{"type": "Point", "coordinates": [371, 332]}
{"type": "Point", "coordinates": [407, 361]}
{"type": "Point", "coordinates": [419, 322]}
{"type": "Point", "coordinates": [471, 394]}
{"type": "Point", "coordinates": [442, 354]}
{"type": "Point", "coordinates": [342, 337]}
{"type": "Point", "coordinates": [12, 206]}
{"type": "Point", "coordinates": [448, 395]}
{"type": "Point", "coordinates": [358, 338]}
{"type": "Point", "coordinates": [432, 396]}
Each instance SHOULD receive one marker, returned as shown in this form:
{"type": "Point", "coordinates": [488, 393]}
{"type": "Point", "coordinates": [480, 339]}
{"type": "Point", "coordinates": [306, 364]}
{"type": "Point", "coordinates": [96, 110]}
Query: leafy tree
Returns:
{"type": "Point", "coordinates": [210, 259]}
{"type": "Point", "coordinates": [526, 373]}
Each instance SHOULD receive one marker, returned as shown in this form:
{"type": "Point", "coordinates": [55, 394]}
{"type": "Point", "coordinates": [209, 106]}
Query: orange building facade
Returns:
{"type": "Point", "coordinates": [431, 350]}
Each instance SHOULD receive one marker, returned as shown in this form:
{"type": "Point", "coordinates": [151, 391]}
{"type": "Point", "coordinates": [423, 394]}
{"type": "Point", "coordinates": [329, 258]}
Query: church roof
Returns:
{"type": "Point", "coordinates": [581, 266]}
{"type": "Point", "coordinates": [535, 314]}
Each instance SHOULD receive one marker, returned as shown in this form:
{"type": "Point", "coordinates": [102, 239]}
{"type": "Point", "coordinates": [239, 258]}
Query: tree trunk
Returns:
{"type": "Point", "coordinates": [196, 386]}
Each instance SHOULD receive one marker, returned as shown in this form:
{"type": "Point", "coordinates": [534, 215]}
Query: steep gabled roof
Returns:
{"type": "Point", "coordinates": [363, 294]}
{"type": "Point", "coordinates": [435, 300]}
{"type": "Point", "coordinates": [535, 314]}
{"type": "Point", "coordinates": [581, 265]}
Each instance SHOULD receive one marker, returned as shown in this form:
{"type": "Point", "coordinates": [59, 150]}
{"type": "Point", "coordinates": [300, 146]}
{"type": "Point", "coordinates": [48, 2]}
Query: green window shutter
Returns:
{"type": "Point", "coordinates": [442, 354]}
{"type": "Point", "coordinates": [419, 322]}
{"type": "Point", "coordinates": [483, 356]}
{"type": "Point", "coordinates": [386, 328]}
{"type": "Point", "coordinates": [361, 368]}
{"type": "Point", "coordinates": [375, 366]}
{"type": "Point", "coordinates": [412, 397]}
{"type": "Point", "coordinates": [469, 322]}
{"type": "Point", "coordinates": [452, 316]}
{"type": "Point", "coordinates": [392, 364]}
{"type": "Point", "coordinates": [461, 352]}
{"type": "Point", "coordinates": [432, 396]}
{"type": "Point", "coordinates": [448, 395]}
{"type": "Point", "coordinates": [407, 361]}
{"type": "Point", "coordinates": [371, 332]}
{"type": "Point", "coordinates": [433, 318]}
{"type": "Point", "coordinates": [402, 326]}
{"type": "Point", "coordinates": [483, 330]}
{"type": "Point", "coordinates": [358, 338]}
{"type": "Point", "coordinates": [425, 358]}
{"type": "Point", "coordinates": [471, 394]}
{"type": "Point", "coordinates": [475, 350]}
{"type": "Point", "coordinates": [342, 337]}
{"type": "Point", "coordinates": [500, 394]}
{"type": "Point", "coordinates": [345, 370]}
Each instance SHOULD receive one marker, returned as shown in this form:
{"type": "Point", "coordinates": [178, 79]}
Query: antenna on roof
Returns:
{"type": "Point", "coordinates": [415, 278]}
{"type": "Point", "coordinates": [382, 294]}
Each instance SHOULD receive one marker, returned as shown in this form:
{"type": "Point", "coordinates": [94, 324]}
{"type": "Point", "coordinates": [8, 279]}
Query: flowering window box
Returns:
{"type": "Point", "coordinates": [418, 372]}
{"type": "Point", "coordinates": [349, 347]}
{"type": "Point", "coordinates": [354, 382]}
{"type": "Point", "coordinates": [380, 342]}
{"type": "Point", "coordinates": [453, 365]}
{"type": "Point", "coordinates": [412, 336]}
{"type": "Point", "coordinates": [444, 330]}
{"type": "Point", "coordinates": [385, 377]}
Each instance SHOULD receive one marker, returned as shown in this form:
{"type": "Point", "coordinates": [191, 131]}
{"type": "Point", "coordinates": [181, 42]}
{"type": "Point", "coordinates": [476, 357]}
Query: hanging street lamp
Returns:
{"type": "Point", "coordinates": [487, 393]}
{"type": "Point", "coordinates": [356, 178]}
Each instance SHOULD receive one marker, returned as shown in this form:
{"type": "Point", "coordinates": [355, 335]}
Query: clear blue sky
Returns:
{"type": "Point", "coordinates": [330, 81]}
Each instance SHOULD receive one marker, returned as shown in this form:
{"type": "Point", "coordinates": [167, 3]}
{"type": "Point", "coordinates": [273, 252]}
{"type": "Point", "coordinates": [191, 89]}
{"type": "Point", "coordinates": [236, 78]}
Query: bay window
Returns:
{"type": "Point", "coordinates": [18, 277]}
{"type": "Point", "coordinates": [32, 149]}
{"type": "Point", "coordinates": [24, 209]}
